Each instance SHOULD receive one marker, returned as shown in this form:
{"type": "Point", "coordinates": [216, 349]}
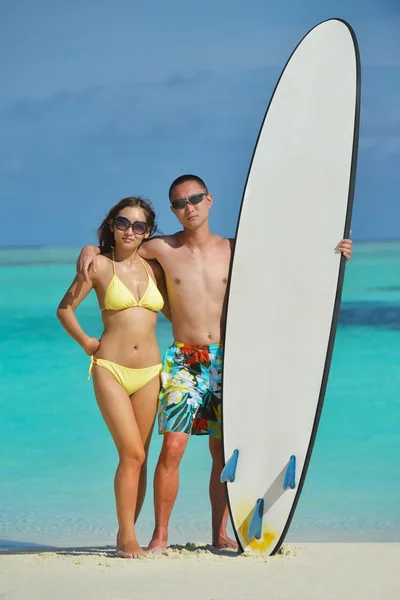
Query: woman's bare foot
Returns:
{"type": "Point", "coordinates": [225, 543]}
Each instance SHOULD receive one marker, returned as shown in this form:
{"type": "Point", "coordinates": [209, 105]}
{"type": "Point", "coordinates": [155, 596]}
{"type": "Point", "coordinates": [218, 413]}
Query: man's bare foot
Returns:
{"type": "Point", "coordinates": [157, 545]}
{"type": "Point", "coordinates": [223, 542]}
{"type": "Point", "coordinates": [128, 549]}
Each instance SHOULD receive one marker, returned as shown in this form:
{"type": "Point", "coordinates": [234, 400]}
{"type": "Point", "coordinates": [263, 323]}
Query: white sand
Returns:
{"type": "Point", "coordinates": [195, 572]}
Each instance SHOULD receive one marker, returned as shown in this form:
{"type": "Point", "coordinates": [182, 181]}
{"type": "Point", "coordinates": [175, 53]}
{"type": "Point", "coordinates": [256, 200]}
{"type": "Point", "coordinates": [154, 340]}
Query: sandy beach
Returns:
{"type": "Point", "coordinates": [197, 572]}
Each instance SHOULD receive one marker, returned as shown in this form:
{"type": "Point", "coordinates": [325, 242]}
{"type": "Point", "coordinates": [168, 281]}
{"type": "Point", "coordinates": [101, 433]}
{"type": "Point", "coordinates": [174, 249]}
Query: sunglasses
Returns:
{"type": "Point", "coordinates": [192, 200]}
{"type": "Point", "coordinates": [138, 227]}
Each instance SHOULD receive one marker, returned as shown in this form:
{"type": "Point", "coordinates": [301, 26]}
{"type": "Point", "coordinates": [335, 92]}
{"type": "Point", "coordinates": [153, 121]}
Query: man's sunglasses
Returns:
{"type": "Point", "coordinates": [138, 227]}
{"type": "Point", "coordinates": [192, 200]}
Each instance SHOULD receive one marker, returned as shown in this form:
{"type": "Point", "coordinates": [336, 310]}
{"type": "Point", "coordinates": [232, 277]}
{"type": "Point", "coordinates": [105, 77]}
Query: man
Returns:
{"type": "Point", "coordinates": [196, 266]}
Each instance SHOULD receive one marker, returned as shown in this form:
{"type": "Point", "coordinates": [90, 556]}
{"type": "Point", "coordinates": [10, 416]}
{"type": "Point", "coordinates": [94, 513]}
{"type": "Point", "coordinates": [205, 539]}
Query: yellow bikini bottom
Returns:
{"type": "Point", "coordinates": [130, 379]}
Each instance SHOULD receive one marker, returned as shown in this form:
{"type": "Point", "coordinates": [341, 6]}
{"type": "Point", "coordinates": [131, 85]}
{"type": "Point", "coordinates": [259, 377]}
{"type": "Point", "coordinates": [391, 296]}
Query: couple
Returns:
{"type": "Point", "coordinates": [185, 275]}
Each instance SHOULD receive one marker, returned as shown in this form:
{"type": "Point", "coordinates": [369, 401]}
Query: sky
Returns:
{"type": "Point", "coordinates": [104, 99]}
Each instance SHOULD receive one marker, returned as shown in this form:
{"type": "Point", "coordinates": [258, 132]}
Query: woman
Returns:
{"type": "Point", "coordinates": [125, 363]}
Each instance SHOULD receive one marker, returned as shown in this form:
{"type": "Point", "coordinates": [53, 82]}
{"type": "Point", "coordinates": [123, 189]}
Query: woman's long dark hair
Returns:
{"type": "Point", "coordinates": [104, 233]}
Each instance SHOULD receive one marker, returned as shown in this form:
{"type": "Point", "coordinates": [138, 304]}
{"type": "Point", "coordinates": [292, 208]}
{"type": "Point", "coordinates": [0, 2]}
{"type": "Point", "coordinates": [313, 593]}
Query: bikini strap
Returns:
{"type": "Point", "coordinates": [113, 262]}
{"type": "Point", "coordinates": [144, 264]}
{"type": "Point", "coordinates": [91, 367]}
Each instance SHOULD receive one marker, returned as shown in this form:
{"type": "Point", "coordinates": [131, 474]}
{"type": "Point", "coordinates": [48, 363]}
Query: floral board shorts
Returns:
{"type": "Point", "coordinates": [190, 395]}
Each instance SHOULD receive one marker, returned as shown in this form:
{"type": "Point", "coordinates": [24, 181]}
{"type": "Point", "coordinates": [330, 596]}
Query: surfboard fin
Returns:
{"type": "Point", "coordinates": [229, 470]}
{"type": "Point", "coordinates": [290, 475]}
{"type": "Point", "coordinates": [255, 527]}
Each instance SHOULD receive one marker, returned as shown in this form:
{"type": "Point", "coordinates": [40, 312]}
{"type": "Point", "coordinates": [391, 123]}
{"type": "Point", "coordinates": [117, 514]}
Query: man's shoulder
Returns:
{"type": "Point", "coordinates": [228, 243]}
{"type": "Point", "coordinates": [158, 246]}
{"type": "Point", "coordinates": [174, 240]}
{"type": "Point", "coordinates": [222, 238]}
{"type": "Point", "coordinates": [162, 240]}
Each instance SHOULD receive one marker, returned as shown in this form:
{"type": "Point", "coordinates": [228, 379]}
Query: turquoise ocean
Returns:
{"type": "Point", "coordinates": [57, 459]}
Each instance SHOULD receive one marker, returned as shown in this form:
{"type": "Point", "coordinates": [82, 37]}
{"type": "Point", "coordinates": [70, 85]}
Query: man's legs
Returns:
{"type": "Point", "coordinates": [219, 504]}
{"type": "Point", "coordinates": [166, 484]}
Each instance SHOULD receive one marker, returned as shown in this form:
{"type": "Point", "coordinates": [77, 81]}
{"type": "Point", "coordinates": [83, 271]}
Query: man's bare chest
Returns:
{"type": "Point", "coordinates": [200, 272]}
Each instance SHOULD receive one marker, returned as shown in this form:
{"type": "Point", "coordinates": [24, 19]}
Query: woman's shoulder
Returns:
{"type": "Point", "coordinates": [154, 267]}
{"type": "Point", "coordinates": [104, 258]}
{"type": "Point", "coordinates": [103, 263]}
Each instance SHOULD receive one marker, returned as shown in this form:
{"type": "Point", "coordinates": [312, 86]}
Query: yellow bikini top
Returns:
{"type": "Point", "coordinates": [118, 297]}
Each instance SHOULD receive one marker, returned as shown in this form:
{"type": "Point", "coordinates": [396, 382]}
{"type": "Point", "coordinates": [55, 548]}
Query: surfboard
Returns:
{"type": "Point", "coordinates": [286, 281]}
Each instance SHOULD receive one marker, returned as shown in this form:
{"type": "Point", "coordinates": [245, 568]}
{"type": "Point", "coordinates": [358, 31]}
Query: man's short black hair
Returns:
{"type": "Point", "coordinates": [184, 179]}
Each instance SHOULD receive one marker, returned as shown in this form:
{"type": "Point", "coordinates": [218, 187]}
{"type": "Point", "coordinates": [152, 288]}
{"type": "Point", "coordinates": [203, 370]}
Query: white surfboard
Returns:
{"type": "Point", "coordinates": [286, 281]}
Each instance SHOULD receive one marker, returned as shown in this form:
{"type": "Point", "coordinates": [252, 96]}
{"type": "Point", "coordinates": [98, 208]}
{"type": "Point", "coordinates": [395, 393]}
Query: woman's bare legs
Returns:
{"type": "Point", "coordinates": [144, 404]}
{"type": "Point", "coordinates": [130, 421]}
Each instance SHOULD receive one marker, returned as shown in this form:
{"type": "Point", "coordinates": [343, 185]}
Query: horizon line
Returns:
{"type": "Point", "coordinates": [42, 246]}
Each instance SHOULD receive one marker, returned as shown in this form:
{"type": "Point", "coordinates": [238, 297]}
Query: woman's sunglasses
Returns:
{"type": "Point", "coordinates": [138, 227]}
{"type": "Point", "coordinates": [192, 200]}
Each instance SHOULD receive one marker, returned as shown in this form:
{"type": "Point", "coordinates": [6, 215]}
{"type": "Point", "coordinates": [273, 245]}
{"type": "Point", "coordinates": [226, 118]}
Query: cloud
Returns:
{"type": "Point", "coordinates": [81, 149]}
{"type": "Point", "coordinates": [141, 122]}
{"type": "Point", "coordinates": [84, 149]}
{"type": "Point", "coordinates": [136, 115]}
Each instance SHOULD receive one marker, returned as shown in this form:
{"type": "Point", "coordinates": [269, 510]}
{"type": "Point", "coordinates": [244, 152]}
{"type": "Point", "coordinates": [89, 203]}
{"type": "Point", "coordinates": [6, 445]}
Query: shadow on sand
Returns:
{"type": "Point", "coordinates": [12, 547]}
{"type": "Point", "coordinates": [9, 547]}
